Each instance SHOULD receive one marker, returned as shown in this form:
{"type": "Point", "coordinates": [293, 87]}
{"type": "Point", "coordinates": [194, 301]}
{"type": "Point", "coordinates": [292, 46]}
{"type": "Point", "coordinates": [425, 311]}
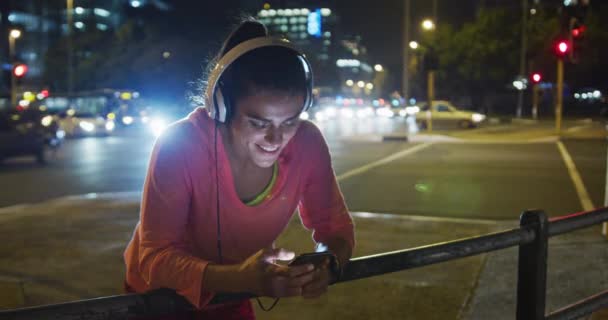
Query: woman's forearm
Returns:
{"type": "Point", "coordinates": [224, 278]}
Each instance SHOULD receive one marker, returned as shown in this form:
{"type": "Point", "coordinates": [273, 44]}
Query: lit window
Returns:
{"type": "Point", "coordinates": [288, 12]}
{"type": "Point", "coordinates": [135, 3]}
{"type": "Point", "coordinates": [102, 27]}
{"type": "Point", "coordinates": [327, 34]}
{"type": "Point", "coordinates": [272, 12]}
{"type": "Point", "coordinates": [79, 25]}
{"type": "Point", "coordinates": [79, 10]}
{"type": "Point", "coordinates": [325, 12]}
{"type": "Point", "coordinates": [303, 35]}
{"type": "Point", "coordinates": [304, 11]}
{"type": "Point", "coordinates": [101, 12]}
{"type": "Point", "coordinates": [284, 28]}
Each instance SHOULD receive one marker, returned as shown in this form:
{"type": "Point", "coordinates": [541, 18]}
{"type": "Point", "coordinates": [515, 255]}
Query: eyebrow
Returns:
{"type": "Point", "coordinates": [253, 116]}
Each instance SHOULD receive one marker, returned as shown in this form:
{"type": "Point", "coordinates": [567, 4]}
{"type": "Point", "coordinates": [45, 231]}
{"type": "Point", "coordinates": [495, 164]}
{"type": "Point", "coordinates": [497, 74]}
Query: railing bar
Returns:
{"type": "Point", "coordinates": [364, 267]}
{"type": "Point", "coordinates": [581, 308]}
{"type": "Point", "coordinates": [580, 220]}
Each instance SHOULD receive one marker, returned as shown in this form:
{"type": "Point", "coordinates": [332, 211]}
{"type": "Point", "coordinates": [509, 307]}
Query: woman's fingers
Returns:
{"type": "Point", "coordinates": [273, 254]}
{"type": "Point", "coordinates": [318, 286]}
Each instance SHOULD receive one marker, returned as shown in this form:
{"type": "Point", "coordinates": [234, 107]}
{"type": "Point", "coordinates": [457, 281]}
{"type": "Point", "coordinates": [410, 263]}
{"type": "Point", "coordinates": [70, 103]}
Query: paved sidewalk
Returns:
{"type": "Point", "coordinates": [71, 248]}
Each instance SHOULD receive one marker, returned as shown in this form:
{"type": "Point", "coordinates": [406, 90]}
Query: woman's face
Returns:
{"type": "Point", "coordinates": [263, 124]}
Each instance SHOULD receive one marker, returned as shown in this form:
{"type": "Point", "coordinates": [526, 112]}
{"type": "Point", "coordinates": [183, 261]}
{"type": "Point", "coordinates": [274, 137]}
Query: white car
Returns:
{"type": "Point", "coordinates": [78, 125]}
{"type": "Point", "coordinates": [443, 114]}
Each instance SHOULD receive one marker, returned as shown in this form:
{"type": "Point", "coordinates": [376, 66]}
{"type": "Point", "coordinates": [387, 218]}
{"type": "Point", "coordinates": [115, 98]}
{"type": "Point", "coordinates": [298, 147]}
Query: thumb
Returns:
{"type": "Point", "coordinates": [271, 255]}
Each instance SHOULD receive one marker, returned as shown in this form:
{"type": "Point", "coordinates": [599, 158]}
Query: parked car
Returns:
{"type": "Point", "coordinates": [27, 132]}
{"type": "Point", "coordinates": [445, 115]}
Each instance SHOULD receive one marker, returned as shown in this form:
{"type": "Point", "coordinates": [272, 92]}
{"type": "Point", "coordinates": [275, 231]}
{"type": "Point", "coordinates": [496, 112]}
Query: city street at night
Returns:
{"type": "Point", "coordinates": [303, 159]}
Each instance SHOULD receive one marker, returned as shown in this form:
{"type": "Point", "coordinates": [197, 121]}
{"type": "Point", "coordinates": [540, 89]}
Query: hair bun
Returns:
{"type": "Point", "coordinates": [248, 29]}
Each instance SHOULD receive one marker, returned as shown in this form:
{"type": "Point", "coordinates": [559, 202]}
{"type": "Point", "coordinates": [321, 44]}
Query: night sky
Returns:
{"type": "Point", "coordinates": [380, 25]}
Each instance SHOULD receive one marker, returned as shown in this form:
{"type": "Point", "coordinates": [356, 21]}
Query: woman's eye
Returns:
{"type": "Point", "coordinates": [290, 123]}
{"type": "Point", "coordinates": [258, 124]}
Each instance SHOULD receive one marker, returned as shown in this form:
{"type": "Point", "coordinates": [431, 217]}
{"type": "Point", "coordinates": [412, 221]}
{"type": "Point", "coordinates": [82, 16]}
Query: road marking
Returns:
{"type": "Point", "coordinates": [576, 178]}
{"type": "Point", "coordinates": [383, 161]}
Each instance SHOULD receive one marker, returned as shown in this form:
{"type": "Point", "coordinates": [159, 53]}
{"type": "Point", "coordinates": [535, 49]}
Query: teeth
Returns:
{"type": "Point", "coordinates": [269, 149]}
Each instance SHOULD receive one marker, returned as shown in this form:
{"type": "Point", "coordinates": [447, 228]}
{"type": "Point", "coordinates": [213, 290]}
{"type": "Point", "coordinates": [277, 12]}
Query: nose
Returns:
{"type": "Point", "coordinates": [274, 135]}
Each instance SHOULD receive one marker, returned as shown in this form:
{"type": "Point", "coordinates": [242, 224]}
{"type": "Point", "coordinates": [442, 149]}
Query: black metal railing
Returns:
{"type": "Point", "coordinates": [531, 237]}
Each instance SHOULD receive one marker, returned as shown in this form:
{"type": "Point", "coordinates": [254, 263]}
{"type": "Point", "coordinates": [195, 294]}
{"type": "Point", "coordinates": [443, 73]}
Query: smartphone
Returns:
{"type": "Point", "coordinates": [315, 258]}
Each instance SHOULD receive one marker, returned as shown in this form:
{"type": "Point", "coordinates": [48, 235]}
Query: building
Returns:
{"type": "Point", "coordinates": [335, 57]}
{"type": "Point", "coordinates": [45, 23]}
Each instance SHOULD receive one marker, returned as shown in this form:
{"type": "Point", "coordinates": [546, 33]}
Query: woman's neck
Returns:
{"type": "Point", "coordinates": [239, 162]}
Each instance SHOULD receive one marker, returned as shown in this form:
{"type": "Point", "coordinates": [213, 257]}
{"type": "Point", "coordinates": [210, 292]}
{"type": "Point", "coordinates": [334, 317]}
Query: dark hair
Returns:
{"type": "Point", "coordinates": [275, 69]}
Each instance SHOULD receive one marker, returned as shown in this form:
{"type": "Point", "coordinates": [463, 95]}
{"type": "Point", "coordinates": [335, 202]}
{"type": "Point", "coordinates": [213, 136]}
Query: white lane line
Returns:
{"type": "Point", "coordinates": [583, 195]}
{"type": "Point", "coordinates": [383, 161]}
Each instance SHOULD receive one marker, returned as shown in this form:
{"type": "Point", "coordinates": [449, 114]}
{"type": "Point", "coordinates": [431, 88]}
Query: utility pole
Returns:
{"type": "Point", "coordinates": [522, 54]}
{"type": "Point", "coordinates": [70, 10]}
{"type": "Point", "coordinates": [406, 41]}
{"type": "Point", "coordinates": [560, 96]}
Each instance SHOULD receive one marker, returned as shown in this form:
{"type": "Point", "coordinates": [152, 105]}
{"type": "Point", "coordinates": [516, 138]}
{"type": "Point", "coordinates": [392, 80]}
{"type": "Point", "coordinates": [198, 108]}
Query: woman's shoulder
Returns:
{"type": "Point", "coordinates": [309, 140]}
{"type": "Point", "coordinates": [190, 133]}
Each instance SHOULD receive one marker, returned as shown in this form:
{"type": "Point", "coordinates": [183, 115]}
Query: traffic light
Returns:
{"type": "Point", "coordinates": [577, 31]}
{"type": "Point", "coordinates": [536, 77]}
{"type": "Point", "coordinates": [562, 47]}
{"type": "Point", "coordinates": [20, 70]}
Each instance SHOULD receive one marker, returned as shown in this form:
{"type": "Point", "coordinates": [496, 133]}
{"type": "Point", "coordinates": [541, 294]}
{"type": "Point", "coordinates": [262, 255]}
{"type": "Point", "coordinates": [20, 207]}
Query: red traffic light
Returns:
{"type": "Point", "coordinates": [20, 70]}
{"type": "Point", "coordinates": [536, 77]}
{"type": "Point", "coordinates": [562, 47]}
{"type": "Point", "coordinates": [578, 32]}
{"type": "Point", "coordinates": [45, 93]}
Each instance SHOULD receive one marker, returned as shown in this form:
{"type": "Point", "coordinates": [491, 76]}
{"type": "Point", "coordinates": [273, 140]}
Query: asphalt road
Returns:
{"type": "Point", "coordinates": [460, 180]}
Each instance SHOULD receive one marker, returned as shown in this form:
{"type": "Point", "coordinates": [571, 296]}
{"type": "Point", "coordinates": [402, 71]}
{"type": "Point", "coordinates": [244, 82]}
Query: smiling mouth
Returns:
{"type": "Point", "coordinates": [268, 149]}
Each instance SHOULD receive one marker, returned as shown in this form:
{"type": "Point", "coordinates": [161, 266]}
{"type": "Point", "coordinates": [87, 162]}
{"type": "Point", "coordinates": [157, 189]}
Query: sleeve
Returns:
{"type": "Point", "coordinates": [164, 258]}
{"type": "Point", "coordinates": [322, 207]}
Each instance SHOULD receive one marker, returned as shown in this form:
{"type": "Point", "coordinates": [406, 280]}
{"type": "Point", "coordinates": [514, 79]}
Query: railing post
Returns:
{"type": "Point", "coordinates": [532, 268]}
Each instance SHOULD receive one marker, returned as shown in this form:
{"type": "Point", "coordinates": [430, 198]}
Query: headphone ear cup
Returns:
{"type": "Point", "coordinates": [221, 111]}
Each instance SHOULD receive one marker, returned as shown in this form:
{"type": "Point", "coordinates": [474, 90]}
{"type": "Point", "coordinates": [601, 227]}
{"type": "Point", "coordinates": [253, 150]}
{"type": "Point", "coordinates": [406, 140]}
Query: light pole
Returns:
{"type": "Point", "coordinates": [13, 35]}
{"type": "Point", "coordinates": [430, 61]}
{"type": "Point", "coordinates": [406, 40]}
{"type": "Point", "coordinates": [69, 11]}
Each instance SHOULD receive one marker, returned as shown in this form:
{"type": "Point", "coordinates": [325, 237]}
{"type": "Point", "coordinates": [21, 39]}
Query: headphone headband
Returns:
{"type": "Point", "coordinates": [214, 98]}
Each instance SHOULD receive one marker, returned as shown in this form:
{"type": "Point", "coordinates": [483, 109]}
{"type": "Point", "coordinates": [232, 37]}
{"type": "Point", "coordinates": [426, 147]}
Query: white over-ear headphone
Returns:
{"type": "Point", "coordinates": [214, 99]}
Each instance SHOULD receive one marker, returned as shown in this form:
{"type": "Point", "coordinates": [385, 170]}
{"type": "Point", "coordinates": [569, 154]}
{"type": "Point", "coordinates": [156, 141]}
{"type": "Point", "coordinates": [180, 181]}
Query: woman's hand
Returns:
{"type": "Point", "coordinates": [319, 283]}
{"type": "Point", "coordinates": [263, 276]}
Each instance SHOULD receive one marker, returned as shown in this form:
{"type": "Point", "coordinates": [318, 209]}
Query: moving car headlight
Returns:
{"type": "Point", "coordinates": [412, 109]}
{"type": "Point", "coordinates": [46, 121]}
{"type": "Point", "coordinates": [402, 113]}
{"type": "Point", "coordinates": [158, 125]}
{"type": "Point", "coordinates": [320, 116]}
{"type": "Point", "coordinates": [110, 125]}
{"type": "Point", "coordinates": [86, 126]}
{"type": "Point", "coordinates": [365, 112]}
{"type": "Point", "coordinates": [331, 112]}
{"type": "Point", "coordinates": [304, 115]}
{"type": "Point", "coordinates": [385, 112]}
{"type": "Point", "coordinates": [347, 113]}
{"type": "Point", "coordinates": [478, 117]}
{"type": "Point", "coordinates": [127, 120]}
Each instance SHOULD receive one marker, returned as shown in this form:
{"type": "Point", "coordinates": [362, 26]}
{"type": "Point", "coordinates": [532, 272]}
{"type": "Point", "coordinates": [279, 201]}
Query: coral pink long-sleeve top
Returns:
{"type": "Point", "coordinates": [176, 237]}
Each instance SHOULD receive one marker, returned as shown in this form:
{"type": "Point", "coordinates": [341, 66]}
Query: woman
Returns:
{"type": "Point", "coordinates": [221, 188]}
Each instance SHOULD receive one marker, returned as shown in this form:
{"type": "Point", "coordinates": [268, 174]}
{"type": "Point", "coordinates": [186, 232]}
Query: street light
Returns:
{"type": "Point", "coordinates": [428, 24]}
{"type": "Point", "coordinates": [378, 68]}
{"type": "Point", "coordinates": [413, 45]}
{"type": "Point", "coordinates": [350, 82]}
{"type": "Point", "coordinates": [13, 35]}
